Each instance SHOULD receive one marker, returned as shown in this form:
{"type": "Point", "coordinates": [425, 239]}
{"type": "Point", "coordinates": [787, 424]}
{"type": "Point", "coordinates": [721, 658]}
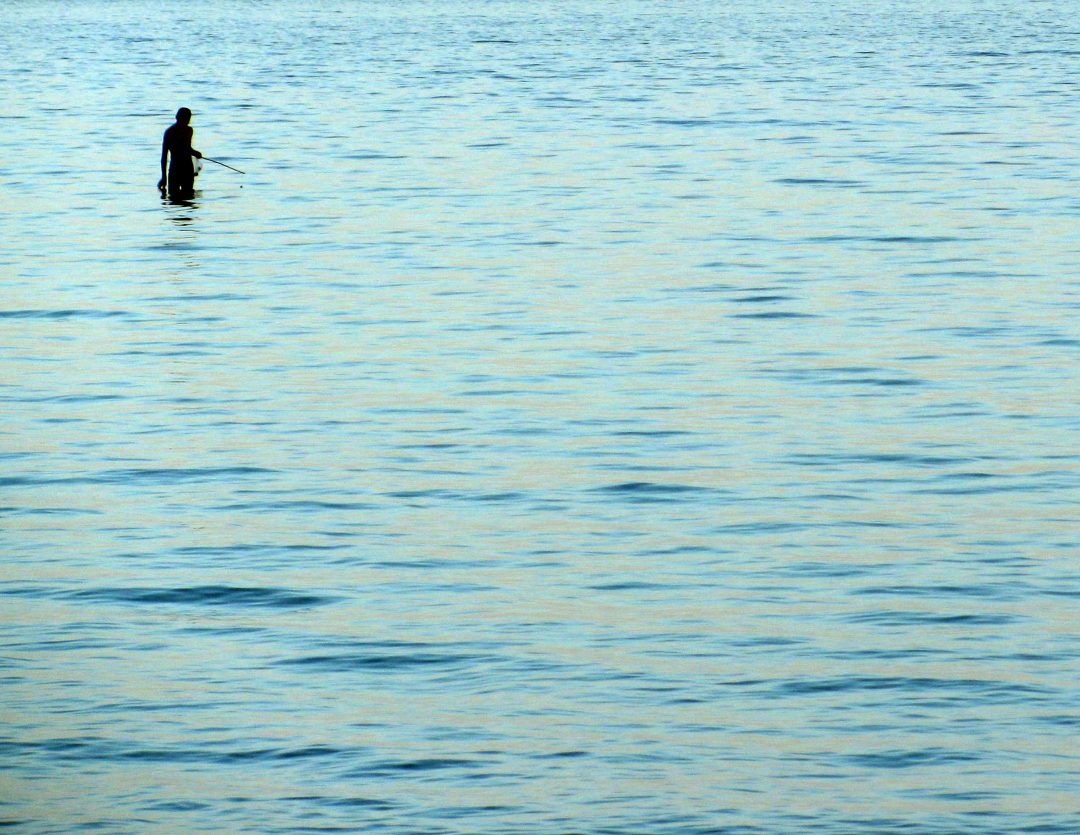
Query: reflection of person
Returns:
{"type": "Point", "coordinates": [177, 152]}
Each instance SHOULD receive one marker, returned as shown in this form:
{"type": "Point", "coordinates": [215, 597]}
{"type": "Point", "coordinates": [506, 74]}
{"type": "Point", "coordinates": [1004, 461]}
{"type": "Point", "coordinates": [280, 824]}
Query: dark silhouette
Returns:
{"type": "Point", "coordinates": [176, 152]}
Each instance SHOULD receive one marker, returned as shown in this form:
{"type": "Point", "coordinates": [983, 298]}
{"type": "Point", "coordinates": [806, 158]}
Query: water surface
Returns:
{"type": "Point", "coordinates": [582, 417]}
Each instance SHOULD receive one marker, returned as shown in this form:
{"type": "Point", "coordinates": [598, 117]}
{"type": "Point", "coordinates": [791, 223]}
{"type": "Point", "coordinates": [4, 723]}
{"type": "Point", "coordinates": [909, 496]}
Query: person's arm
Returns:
{"type": "Point", "coordinates": [164, 160]}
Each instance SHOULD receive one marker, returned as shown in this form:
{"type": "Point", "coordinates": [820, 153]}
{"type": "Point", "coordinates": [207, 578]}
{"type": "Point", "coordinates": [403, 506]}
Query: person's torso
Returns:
{"type": "Point", "coordinates": [178, 140]}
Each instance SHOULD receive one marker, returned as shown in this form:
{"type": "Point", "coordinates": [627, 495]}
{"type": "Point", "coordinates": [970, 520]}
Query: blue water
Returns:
{"type": "Point", "coordinates": [585, 416]}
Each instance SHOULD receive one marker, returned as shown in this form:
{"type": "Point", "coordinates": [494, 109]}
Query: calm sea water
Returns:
{"type": "Point", "coordinates": [585, 416]}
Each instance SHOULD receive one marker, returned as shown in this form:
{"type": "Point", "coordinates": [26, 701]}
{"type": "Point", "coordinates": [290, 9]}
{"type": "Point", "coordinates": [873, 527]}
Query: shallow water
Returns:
{"type": "Point", "coordinates": [582, 417]}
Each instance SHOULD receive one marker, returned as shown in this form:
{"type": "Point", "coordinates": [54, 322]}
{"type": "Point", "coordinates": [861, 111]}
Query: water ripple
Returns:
{"type": "Point", "coordinates": [213, 595]}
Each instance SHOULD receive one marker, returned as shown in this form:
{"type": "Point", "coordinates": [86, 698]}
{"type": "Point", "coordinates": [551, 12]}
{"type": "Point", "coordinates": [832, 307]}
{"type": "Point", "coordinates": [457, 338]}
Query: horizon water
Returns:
{"type": "Point", "coordinates": [582, 417]}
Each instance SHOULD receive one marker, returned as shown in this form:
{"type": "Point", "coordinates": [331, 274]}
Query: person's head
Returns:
{"type": "Point", "coordinates": [183, 116]}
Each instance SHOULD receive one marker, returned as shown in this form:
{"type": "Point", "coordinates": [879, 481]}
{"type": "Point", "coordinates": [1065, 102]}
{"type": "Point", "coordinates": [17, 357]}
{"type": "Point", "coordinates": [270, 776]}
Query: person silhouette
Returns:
{"type": "Point", "coordinates": [176, 153]}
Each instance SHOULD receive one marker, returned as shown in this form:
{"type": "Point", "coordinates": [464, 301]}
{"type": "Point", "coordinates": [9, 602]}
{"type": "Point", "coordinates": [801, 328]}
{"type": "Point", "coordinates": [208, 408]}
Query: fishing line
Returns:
{"type": "Point", "coordinates": [237, 170]}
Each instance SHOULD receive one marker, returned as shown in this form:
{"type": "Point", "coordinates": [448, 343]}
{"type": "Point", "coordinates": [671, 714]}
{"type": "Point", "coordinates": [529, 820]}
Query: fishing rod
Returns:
{"type": "Point", "coordinates": [237, 170]}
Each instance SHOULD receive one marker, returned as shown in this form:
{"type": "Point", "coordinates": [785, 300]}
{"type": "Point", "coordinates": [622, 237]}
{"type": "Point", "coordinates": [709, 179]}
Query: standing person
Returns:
{"type": "Point", "coordinates": [177, 144]}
